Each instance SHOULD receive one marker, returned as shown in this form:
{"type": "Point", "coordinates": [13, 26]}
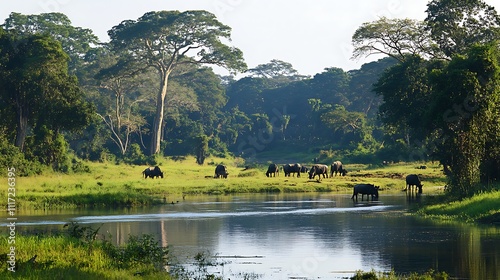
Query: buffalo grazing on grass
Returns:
{"type": "Point", "coordinates": [153, 172]}
{"type": "Point", "coordinates": [221, 171]}
{"type": "Point", "coordinates": [272, 170]}
{"type": "Point", "coordinates": [318, 169]}
{"type": "Point", "coordinates": [337, 168]}
{"type": "Point", "coordinates": [292, 169]}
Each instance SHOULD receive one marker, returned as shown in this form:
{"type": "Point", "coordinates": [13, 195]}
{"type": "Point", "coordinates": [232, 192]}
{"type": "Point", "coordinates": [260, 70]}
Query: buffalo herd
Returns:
{"type": "Point", "coordinates": [321, 170]}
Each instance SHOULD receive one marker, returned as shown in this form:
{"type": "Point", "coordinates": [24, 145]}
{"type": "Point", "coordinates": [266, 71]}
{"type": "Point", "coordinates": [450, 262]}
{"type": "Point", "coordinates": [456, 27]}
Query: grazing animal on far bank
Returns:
{"type": "Point", "coordinates": [318, 169]}
{"type": "Point", "coordinates": [337, 168]}
{"type": "Point", "coordinates": [413, 180]}
{"type": "Point", "coordinates": [368, 189]}
{"type": "Point", "coordinates": [272, 170]}
{"type": "Point", "coordinates": [221, 171]}
{"type": "Point", "coordinates": [152, 172]}
{"type": "Point", "coordinates": [292, 168]}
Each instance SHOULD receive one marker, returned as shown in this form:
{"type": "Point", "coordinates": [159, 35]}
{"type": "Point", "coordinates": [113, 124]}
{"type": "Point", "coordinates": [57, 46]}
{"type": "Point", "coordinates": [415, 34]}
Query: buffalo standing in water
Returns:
{"type": "Point", "coordinates": [272, 170]}
{"type": "Point", "coordinates": [337, 167]}
{"type": "Point", "coordinates": [413, 180]}
{"type": "Point", "coordinates": [368, 189]}
{"type": "Point", "coordinates": [318, 169]}
{"type": "Point", "coordinates": [152, 172]}
{"type": "Point", "coordinates": [221, 171]}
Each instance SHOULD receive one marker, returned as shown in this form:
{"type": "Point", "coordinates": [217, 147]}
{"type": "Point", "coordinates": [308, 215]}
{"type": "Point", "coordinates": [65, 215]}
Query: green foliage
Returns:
{"type": "Point", "coordinates": [139, 251]}
{"type": "Point", "coordinates": [136, 156]}
{"type": "Point", "coordinates": [472, 84]}
{"type": "Point", "coordinates": [397, 38]}
{"type": "Point", "coordinates": [11, 156]}
{"type": "Point", "coordinates": [201, 149]}
{"type": "Point", "coordinates": [77, 252]}
{"type": "Point", "coordinates": [373, 275]}
{"type": "Point", "coordinates": [456, 25]}
{"type": "Point", "coordinates": [75, 41]}
{"type": "Point", "coordinates": [190, 37]}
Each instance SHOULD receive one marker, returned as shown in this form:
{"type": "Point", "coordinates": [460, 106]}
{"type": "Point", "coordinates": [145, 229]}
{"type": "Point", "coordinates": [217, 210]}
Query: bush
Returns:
{"type": "Point", "coordinates": [143, 250]}
{"type": "Point", "coordinates": [11, 156]}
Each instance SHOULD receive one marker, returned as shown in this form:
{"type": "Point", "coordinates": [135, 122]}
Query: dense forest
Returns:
{"type": "Point", "coordinates": [65, 96]}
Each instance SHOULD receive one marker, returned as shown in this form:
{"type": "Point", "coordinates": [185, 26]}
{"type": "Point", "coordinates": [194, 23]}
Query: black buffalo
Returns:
{"type": "Point", "coordinates": [292, 169]}
{"type": "Point", "coordinates": [303, 169]}
{"type": "Point", "coordinates": [152, 172]}
{"type": "Point", "coordinates": [368, 189]}
{"type": "Point", "coordinates": [272, 170]}
{"type": "Point", "coordinates": [318, 169]}
{"type": "Point", "coordinates": [221, 171]}
{"type": "Point", "coordinates": [337, 168]}
{"type": "Point", "coordinates": [413, 180]}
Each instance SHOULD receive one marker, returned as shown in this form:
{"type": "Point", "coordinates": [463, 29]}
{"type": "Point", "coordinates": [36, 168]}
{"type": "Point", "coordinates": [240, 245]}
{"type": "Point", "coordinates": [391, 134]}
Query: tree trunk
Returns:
{"type": "Point", "coordinates": [158, 121]}
{"type": "Point", "coordinates": [22, 128]}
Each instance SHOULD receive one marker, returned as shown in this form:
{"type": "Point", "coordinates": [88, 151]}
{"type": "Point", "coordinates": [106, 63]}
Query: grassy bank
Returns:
{"type": "Point", "coordinates": [108, 184]}
{"type": "Point", "coordinates": [484, 208]}
{"type": "Point", "coordinates": [69, 257]}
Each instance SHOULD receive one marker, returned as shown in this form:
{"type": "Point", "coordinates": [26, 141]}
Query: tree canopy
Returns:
{"type": "Point", "coordinates": [165, 41]}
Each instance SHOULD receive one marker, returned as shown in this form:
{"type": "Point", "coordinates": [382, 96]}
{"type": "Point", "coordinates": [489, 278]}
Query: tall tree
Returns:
{"type": "Point", "coordinates": [166, 40]}
{"type": "Point", "coordinates": [397, 38]}
{"type": "Point", "coordinates": [75, 41]}
{"type": "Point", "coordinates": [36, 86]}
{"type": "Point", "coordinates": [465, 110]}
{"type": "Point", "coordinates": [278, 71]}
{"type": "Point", "coordinates": [456, 25]}
{"type": "Point", "coordinates": [123, 90]}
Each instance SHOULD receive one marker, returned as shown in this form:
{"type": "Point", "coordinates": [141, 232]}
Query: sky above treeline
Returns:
{"type": "Point", "coordinates": [311, 35]}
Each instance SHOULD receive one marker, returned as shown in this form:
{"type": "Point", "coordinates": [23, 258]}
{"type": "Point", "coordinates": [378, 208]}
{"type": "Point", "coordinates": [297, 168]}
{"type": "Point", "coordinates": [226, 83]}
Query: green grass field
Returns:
{"type": "Point", "coordinates": [109, 184]}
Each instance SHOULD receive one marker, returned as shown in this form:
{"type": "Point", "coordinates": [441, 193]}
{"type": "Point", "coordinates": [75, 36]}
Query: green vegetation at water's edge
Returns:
{"type": "Point", "coordinates": [479, 208]}
{"type": "Point", "coordinates": [76, 254]}
{"type": "Point", "coordinates": [373, 275]}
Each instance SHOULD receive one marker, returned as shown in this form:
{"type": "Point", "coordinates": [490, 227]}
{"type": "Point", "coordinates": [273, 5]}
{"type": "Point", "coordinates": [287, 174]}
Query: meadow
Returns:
{"type": "Point", "coordinates": [110, 184]}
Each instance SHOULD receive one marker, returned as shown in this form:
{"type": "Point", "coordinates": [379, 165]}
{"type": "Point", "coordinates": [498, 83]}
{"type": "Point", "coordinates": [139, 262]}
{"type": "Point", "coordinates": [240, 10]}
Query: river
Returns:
{"type": "Point", "coordinates": [296, 236]}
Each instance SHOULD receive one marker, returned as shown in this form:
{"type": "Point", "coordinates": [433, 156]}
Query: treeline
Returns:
{"type": "Point", "coordinates": [64, 93]}
{"type": "Point", "coordinates": [149, 91]}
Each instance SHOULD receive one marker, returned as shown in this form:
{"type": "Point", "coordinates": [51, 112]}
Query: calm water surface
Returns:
{"type": "Point", "coordinates": [305, 236]}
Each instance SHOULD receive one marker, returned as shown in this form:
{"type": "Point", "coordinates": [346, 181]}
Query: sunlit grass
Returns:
{"type": "Point", "coordinates": [63, 257]}
{"type": "Point", "coordinates": [109, 184]}
{"type": "Point", "coordinates": [478, 207]}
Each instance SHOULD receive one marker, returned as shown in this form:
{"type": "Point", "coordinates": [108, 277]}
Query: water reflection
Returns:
{"type": "Point", "coordinates": [316, 236]}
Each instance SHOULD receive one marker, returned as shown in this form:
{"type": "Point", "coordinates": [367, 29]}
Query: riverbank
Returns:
{"type": "Point", "coordinates": [482, 208]}
{"type": "Point", "coordinates": [112, 185]}
{"type": "Point", "coordinates": [122, 185]}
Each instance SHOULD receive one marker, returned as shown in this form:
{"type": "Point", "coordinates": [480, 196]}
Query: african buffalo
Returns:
{"type": "Point", "coordinates": [413, 180]}
{"type": "Point", "coordinates": [318, 169]}
{"type": "Point", "coordinates": [337, 167]}
{"type": "Point", "coordinates": [368, 189]}
{"type": "Point", "coordinates": [273, 169]}
{"type": "Point", "coordinates": [221, 171]}
{"type": "Point", "coordinates": [291, 168]}
{"type": "Point", "coordinates": [303, 169]}
{"type": "Point", "coordinates": [152, 172]}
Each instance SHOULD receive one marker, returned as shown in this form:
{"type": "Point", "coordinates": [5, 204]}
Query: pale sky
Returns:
{"type": "Point", "coordinates": [311, 35]}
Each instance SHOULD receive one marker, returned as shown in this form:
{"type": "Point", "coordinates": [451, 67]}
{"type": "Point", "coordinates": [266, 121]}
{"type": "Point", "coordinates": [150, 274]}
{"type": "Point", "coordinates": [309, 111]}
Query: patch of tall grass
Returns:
{"type": "Point", "coordinates": [68, 257]}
